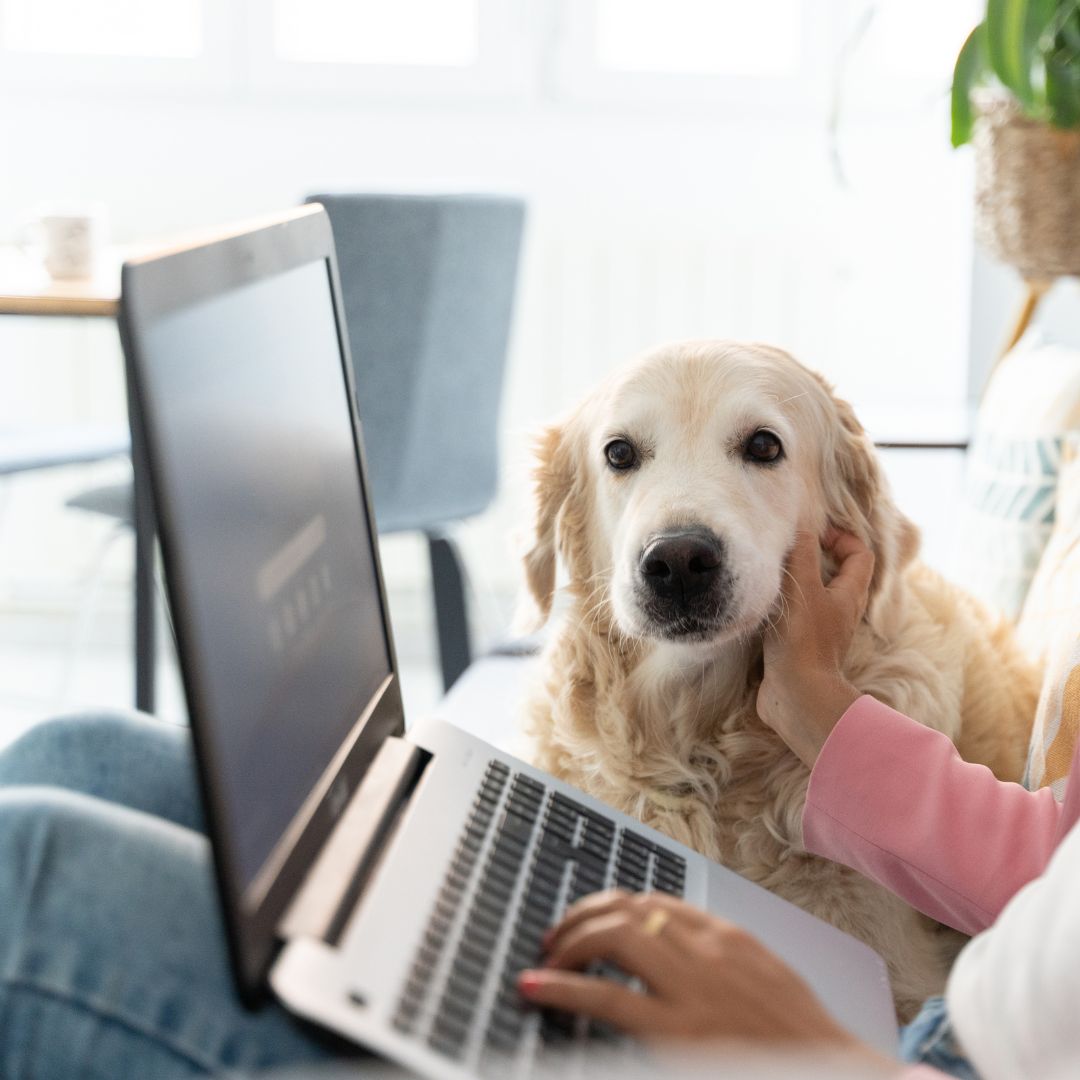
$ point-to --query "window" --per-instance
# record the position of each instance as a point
(104, 27)
(378, 49)
(787, 56)
(369, 48)
(702, 37)
(60, 45)
(697, 53)
(435, 32)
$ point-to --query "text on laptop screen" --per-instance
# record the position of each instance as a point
(262, 482)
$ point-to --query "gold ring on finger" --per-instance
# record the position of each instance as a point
(655, 922)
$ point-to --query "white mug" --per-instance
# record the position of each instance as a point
(68, 243)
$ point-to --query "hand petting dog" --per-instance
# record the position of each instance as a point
(804, 693)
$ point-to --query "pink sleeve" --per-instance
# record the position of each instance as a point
(893, 800)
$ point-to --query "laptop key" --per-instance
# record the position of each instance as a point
(662, 881)
(451, 1048)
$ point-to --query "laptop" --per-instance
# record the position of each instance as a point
(386, 884)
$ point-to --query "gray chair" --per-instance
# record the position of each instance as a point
(428, 284)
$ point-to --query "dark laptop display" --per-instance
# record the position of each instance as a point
(272, 571)
(289, 633)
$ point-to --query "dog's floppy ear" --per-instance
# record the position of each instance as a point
(554, 480)
(859, 501)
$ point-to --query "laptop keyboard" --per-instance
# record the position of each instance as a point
(525, 854)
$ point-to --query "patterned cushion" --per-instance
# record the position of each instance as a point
(1051, 612)
(1031, 404)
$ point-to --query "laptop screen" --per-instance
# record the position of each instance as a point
(249, 407)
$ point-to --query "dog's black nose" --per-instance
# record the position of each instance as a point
(681, 565)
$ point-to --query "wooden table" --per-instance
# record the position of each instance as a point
(26, 289)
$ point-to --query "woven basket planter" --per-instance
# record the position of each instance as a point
(1027, 191)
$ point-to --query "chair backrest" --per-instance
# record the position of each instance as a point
(428, 285)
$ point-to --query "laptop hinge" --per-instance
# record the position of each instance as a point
(336, 879)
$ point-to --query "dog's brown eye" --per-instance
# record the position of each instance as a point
(620, 454)
(763, 446)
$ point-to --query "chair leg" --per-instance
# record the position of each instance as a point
(451, 617)
(145, 629)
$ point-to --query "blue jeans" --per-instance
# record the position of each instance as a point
(113, 962)
(929, 1040)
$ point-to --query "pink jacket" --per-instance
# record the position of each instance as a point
(892, 799)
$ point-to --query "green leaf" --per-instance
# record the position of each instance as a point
(1070, 30)
(970, 67)
(1063, 91)
(1005, 25)
(1041, 16)
(1038, 43)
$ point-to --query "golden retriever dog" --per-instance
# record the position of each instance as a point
(672, 496)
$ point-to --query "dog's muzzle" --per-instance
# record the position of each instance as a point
(683, 583)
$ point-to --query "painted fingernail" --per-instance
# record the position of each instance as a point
(528, 982)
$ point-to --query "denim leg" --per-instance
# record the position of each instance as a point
(112, 955)
(929, 1040)
(125, 758)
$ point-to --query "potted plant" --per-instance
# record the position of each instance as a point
(1016, 96)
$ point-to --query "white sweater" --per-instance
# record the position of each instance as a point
(1014, 992)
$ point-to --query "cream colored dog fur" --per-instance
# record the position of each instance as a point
(652, 709)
